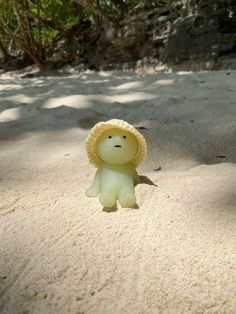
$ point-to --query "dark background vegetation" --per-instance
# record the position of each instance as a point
(101, 33)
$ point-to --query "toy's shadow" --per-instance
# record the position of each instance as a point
(146, 180)
(135, 206)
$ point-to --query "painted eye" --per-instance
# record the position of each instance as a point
(124, 136)
(109, 136)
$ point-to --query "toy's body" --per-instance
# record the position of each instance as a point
(115, 182)
(116, 176)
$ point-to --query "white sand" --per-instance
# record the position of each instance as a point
(61, 253)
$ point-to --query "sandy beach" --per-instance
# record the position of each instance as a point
(60, 252)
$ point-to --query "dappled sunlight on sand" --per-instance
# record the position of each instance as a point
(58, 247)
(12, 114)
(179, 113)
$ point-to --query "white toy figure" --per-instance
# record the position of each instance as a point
(116, 148)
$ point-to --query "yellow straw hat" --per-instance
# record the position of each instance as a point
(99, 128)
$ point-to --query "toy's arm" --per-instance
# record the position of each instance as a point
(95, 188)
(136, 177)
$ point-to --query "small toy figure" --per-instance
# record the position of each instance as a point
(116, 148)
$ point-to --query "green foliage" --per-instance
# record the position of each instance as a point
(63, 11)
(7, 15)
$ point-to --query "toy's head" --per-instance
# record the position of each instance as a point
(115, 142)
(116, 146)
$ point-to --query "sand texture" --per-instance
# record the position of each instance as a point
(60, 252)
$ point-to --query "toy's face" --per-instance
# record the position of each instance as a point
(116, 146)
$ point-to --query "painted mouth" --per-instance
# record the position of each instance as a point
(117, 146)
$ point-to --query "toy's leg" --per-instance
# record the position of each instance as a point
(107, 197)
(127, 197)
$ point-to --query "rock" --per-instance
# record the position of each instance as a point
(193, 33)
(16, 63)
